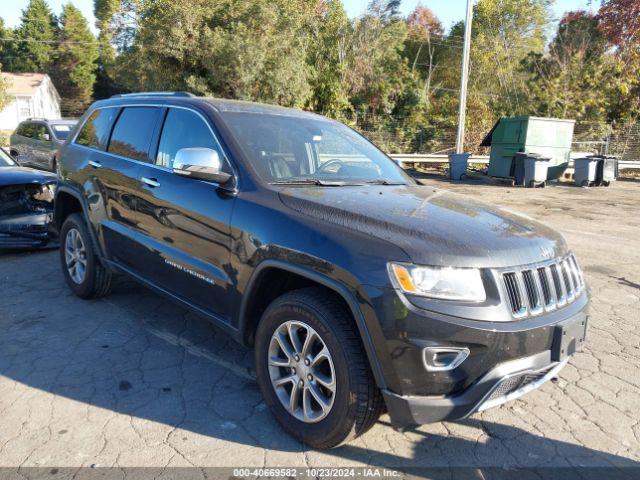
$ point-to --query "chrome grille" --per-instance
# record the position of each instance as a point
(534, 289)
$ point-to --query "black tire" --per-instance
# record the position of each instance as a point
(97, 279)
(357, 403)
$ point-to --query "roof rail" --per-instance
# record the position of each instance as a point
(154, 94)
(34, 119)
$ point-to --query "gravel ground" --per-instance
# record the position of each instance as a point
(133, 380)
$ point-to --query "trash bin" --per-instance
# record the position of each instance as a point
(607, 170)
(536, 168)
(584, 171)
(458, 165)
(531, 169)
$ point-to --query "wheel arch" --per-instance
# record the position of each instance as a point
(70, 201)
(251, 311)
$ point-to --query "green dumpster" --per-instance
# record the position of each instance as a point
(549, 137)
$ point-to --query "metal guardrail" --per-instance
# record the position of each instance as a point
(483, 159)
(434, 158)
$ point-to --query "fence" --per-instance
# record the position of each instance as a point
(400, 135)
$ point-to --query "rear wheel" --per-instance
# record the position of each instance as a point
(82, 270)
(312, 369)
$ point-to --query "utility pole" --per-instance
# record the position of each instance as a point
(462, 107)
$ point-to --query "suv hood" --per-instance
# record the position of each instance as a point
(433, 226)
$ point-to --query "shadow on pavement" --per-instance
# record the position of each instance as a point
(136, 354)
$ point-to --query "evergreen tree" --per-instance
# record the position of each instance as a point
(104, 11)
(35, 39)
(6, 46)
(73, 70)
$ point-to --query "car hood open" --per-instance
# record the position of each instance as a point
(433, 226)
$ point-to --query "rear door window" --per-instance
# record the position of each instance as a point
(95, 131)
(26, 130)
(132, 133)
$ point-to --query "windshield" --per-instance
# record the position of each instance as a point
(5, 159)
(298, 150)
(61, 130)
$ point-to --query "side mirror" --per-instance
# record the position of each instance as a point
(200, 163)
(46, 137)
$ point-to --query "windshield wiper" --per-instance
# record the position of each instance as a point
(383, 182)
(309, 181)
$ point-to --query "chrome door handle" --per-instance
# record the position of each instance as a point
(152, 182)
(95, 164)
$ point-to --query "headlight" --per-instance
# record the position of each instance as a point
(446, 283)
(45, 193)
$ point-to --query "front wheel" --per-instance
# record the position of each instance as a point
(82, 270)
(312, 370)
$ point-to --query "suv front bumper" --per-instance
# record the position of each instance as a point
(507, 360)
(504, 383)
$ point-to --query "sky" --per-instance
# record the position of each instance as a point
(448, 11)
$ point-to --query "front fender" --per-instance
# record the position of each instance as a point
(358, 301)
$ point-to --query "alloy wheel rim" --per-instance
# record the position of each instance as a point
(301, 371)
(75, 256)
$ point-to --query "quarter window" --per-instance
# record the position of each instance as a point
(183, 129)
(95, 132)
(132, 133)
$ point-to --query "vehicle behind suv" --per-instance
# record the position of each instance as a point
(36, 141)
(358, 288)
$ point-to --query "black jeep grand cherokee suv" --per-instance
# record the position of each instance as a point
(359, 288)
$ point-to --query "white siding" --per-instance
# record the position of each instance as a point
(44, 102)
(9, 116)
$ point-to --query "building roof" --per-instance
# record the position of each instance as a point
(23, 83)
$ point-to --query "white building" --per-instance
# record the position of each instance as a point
(34, 95)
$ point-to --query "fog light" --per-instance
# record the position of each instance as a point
(443, 359)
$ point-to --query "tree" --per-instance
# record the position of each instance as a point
(104, 11)
(251, 50)
(619, 20)
(6, 44)
(4, 97)
(35, 39)
(504, 32)
(573, 79)
(424, 33)
(377, 69)
(328, 51)
(73, 71)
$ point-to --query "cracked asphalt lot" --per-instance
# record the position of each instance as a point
(133, 380)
